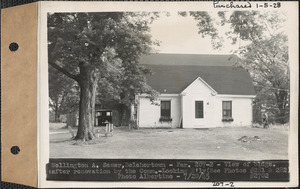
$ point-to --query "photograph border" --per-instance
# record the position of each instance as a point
(43, 110)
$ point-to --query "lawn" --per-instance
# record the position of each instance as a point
(242, 143)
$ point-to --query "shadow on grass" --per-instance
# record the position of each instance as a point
(98, 140)
(202, 129)
(62, 141)
(71, 141)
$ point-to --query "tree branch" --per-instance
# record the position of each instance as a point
(50, 103)
(64, 71)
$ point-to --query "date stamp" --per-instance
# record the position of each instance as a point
(268, 5)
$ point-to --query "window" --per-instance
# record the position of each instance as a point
(198, 109)
(227, 109)
(165, 109)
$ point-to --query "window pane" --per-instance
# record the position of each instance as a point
(226, 113)
(163, 105)
(167, 105)
(226, 105)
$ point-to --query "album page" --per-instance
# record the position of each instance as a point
(168, 94)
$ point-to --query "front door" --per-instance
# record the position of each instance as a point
(199, 114)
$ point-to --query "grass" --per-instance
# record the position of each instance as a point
(242, 143)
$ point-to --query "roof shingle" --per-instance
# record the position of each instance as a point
(174, 73)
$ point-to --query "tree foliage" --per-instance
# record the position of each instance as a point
(63, 94)
(119, 85)
(267, 62)
(264, 54)
(89, 47)
(206, 26)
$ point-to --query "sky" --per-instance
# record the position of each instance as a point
(180, 35)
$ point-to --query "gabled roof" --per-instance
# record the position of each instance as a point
(189, 59)
(169, 76)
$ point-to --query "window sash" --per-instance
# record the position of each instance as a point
(165, 109)
(199, 109)
(227, 109)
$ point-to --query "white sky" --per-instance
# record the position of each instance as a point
(180, 35)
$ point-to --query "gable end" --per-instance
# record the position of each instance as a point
(213, 91)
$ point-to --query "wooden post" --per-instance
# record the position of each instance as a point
(111, 127)
(106, 128)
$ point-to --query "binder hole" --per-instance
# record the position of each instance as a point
(13, 46)
(15, 150)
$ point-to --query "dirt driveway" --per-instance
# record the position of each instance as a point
(241, 143)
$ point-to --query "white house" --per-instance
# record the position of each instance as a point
(196, 91)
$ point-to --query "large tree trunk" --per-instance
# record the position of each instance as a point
(56, 113)
(282, 97)
(56, 116)
(88, 84)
